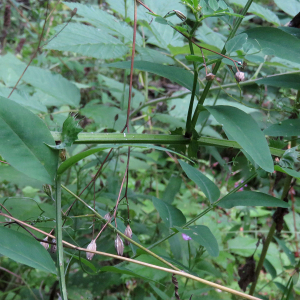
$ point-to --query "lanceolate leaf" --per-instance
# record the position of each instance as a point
(249, 198)
(246, 132)
(25, 249)
(210, 190)
(291, 81)
(286, 128)
(178, 75)
(288, 171)
(284, 45)
(23, 142)
(170, 215)
(203, 236)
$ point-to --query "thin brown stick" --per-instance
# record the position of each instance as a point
(180, 273)
(34, 54)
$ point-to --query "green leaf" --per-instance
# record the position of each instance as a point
(246, 132)
(178, 75)
(102, 19)
(288, 171)
(249, 198)
(122, 270)
(170, 215)
(289, 158)
(210, 190)
(203, 236)
(286, 128)
(87, 41)
(270, 268)
(284, 45)
(259, 10)
(23, 142)
(290, 7)
(159, 292)
(54, 85)
(286, 250)
(172, 189)
(236, 43)
(213, 4)
(69, 134)
(26, 250)
(291, 30)
(291, 81)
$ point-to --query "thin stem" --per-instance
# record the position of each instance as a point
(34, 54)
(217, 66)
(286, 188)
(132, 64)
(177, 272)
(214, 88)
(60, 251)
(119, 232)
(205, 211)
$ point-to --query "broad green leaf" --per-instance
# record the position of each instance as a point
(286, 250)
(291, 30)
(236, 43)
(290, 7)
(172, 189)
(53, 84)
(288, 171)
(69, 133)
(213, 4)
(284, 45)
(26, 250)
(286, 128)
(23, 142)
(105, 21)
(210, 190)
(43, 80)
(291, 81)
(178, 75)
(246, 132)
(155, 56)
(87, 41)
(203, 236)
(170, 215)
(249, 198)
(259, 10)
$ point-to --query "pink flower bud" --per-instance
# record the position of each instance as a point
(119, 245)
(128, 233)
(92, 246)
(240, 76)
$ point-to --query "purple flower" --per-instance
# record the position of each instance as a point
(186, 237)
(236, 185)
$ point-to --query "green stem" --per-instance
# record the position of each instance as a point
(119, 232)
(58, 231)
(191, 105)
(217, 66)
(158, 139)
(286, 188)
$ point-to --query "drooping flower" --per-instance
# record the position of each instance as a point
(186, 237)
